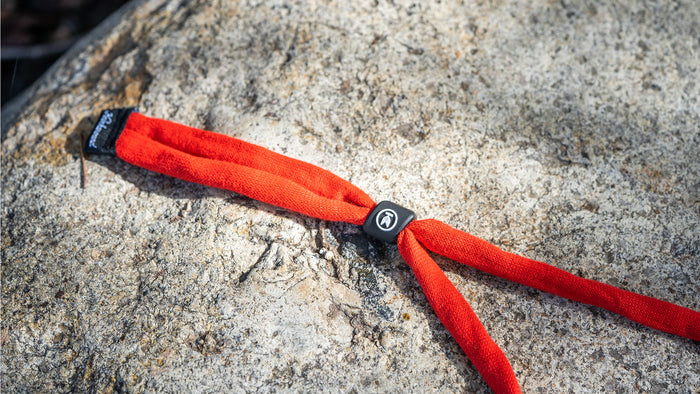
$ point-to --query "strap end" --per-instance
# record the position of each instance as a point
(103, 138)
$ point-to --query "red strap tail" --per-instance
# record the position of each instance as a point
(470, 250)
(459, 319)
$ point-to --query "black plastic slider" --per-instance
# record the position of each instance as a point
(387, 220)
(103, 138)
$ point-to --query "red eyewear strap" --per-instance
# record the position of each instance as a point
(224, 162)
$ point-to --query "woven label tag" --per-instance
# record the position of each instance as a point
(103, 138)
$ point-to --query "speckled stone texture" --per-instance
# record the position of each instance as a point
(564, 131)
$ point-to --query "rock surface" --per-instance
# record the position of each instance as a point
(565, 132)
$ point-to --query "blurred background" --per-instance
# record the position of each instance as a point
(35, 33)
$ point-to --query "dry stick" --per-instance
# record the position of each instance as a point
(83, 175)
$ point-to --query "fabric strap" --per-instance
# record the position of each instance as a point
(224, 162)
(217, 160)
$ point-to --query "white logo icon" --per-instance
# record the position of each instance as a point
(386, 219)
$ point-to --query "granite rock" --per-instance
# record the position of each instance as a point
(564, 131)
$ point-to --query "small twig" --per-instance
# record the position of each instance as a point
(83, 175)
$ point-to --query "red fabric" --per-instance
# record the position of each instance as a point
(221, 161)
(224, 162)
(459, 319)
(475, 252)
